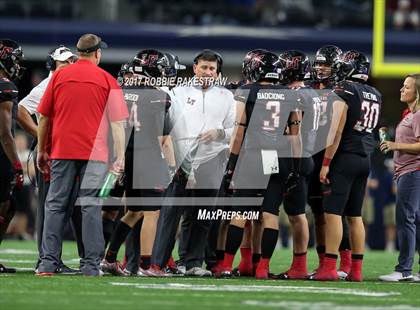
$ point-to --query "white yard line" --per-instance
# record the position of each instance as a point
(33, 261)
(319, 305)
(18, 252)
(258, 288)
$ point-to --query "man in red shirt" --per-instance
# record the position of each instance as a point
(81, 101)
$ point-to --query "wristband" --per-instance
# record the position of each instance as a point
(326, 161)
(17, 165)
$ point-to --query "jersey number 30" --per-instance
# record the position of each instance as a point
(370, 117)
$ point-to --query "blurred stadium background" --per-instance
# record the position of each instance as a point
(231, 27)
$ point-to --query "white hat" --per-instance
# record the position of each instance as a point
(62, 54)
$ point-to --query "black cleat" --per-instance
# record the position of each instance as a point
(4, 269)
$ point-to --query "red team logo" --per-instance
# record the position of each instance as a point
(4, 51)
(149, 60)
(293, 62)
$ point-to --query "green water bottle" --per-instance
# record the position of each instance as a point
(383, 136)
(108, 185)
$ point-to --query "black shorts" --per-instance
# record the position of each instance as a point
(348, 176)
(273, 196)
(147, 177)
(110, 206)
(244, 194)
(6, 179)
(137, 199)
(295, 201)
(315, 189)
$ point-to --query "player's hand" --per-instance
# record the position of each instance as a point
(323, 175)
(18, 182)
(387, 146)
(118, 166)
(210, 135)
(43, 162)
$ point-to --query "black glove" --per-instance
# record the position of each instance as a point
(292, 181)
(227, 177)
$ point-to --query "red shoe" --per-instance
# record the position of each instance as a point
(354, 276)
(226, 266)
(254, 268)
(155, 271)
(124, 262)
(345, 261)
(327, 271)
(217, 268)
(245, 269)
(325, 275)
(263, 269)
(171, 263)
(298, 270)
(293, 274)
(44, 274)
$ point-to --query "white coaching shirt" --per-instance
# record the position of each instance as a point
(32, 100)
(194, 111)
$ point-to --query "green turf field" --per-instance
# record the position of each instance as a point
(26, 291)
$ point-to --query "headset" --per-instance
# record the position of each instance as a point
(50, 63)
(209, 52)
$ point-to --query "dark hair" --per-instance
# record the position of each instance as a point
(209, 55)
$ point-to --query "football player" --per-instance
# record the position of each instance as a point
(250, 250)
(57, 59)
(324, 81)
(146, 172)
(295, 68)
(265, 110)
(11, 175)
(345, 166)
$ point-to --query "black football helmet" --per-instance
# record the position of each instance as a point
(174, 65)
(11, 55)
(151, 63)
(260, 64)
(294, 66)
(326, 55)
(125, 68)
(353, 65)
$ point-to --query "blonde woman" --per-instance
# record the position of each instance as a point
(407, 175)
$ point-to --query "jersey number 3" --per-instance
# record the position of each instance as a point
(274, 122)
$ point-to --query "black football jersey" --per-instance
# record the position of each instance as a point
(364, 106)
(8, 92)
(268, 109)
(148, 109)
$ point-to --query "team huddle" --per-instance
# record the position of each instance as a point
(292, 132)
